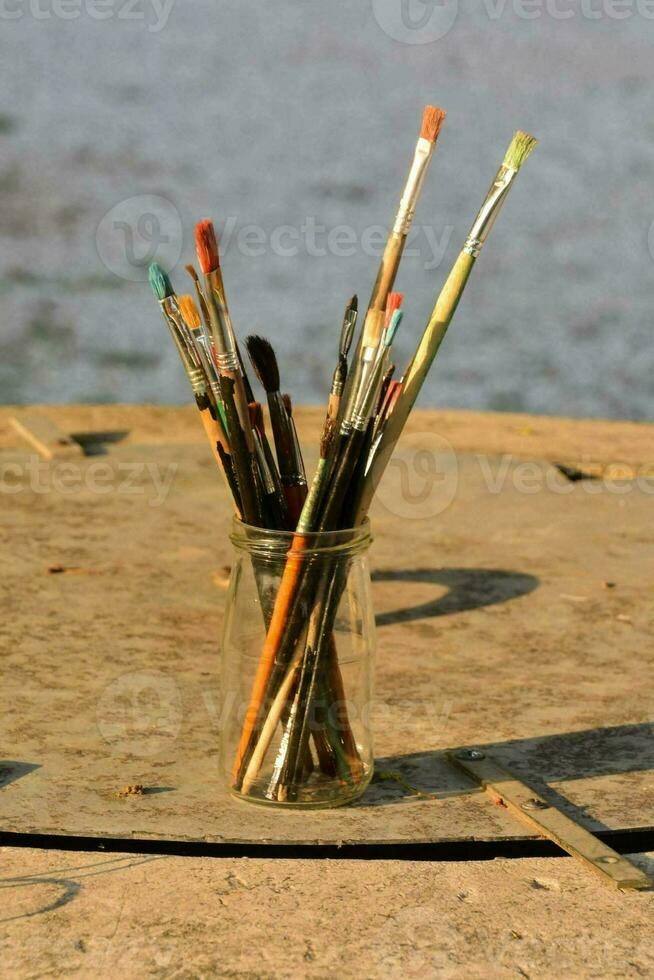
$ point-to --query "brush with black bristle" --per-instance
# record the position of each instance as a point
(289, 457)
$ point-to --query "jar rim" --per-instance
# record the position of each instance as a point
(270, 540)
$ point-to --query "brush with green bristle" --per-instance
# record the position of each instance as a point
(161, 284)
(165, 294)
(519, 149)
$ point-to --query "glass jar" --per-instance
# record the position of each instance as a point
(297, 667)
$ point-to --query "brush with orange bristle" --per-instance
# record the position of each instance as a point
(373, 326)
(432, 121)
(199, 292)
(222, 333)
(208, 254)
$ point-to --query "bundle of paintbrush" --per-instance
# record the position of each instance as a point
(366, 411)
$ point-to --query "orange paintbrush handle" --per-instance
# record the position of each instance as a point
(283, 603)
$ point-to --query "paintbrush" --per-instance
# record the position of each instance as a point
(289, 457)
(209, 257)
(202, 345)
(222, 333)
(204, 397)
(200, 293)
(243, 461)
(355, 435)
(519, 149)
(340, 372)
(272, 486)
(432, 121)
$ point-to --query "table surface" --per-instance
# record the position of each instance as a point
(513, 610)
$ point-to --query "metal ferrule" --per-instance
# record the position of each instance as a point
(227, 362)
(413, 186)
(222, 336)
(369, 361)
(358, 422)
(210, 371)
(197, 380)
(175, 318)
(489, 211)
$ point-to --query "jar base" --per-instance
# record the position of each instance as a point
(313, 796)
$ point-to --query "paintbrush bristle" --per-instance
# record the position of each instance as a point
(189, 312)
(161, 284)
(206, 245)
(391, 329)
(347, 330)
(432, 120)
(519, 149)
(393, 303)
(264, 362)
(192, 273)
(256, 417)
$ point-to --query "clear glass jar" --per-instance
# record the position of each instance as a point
(297, 667)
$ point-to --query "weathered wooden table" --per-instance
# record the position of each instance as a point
(514, 611)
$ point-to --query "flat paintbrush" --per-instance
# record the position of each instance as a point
(432, 121)
(222, 333)
(202, 345)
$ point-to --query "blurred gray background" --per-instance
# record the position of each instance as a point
(122, 122)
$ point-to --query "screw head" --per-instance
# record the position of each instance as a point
(470, 754)
(534, 804)
(609, 859)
